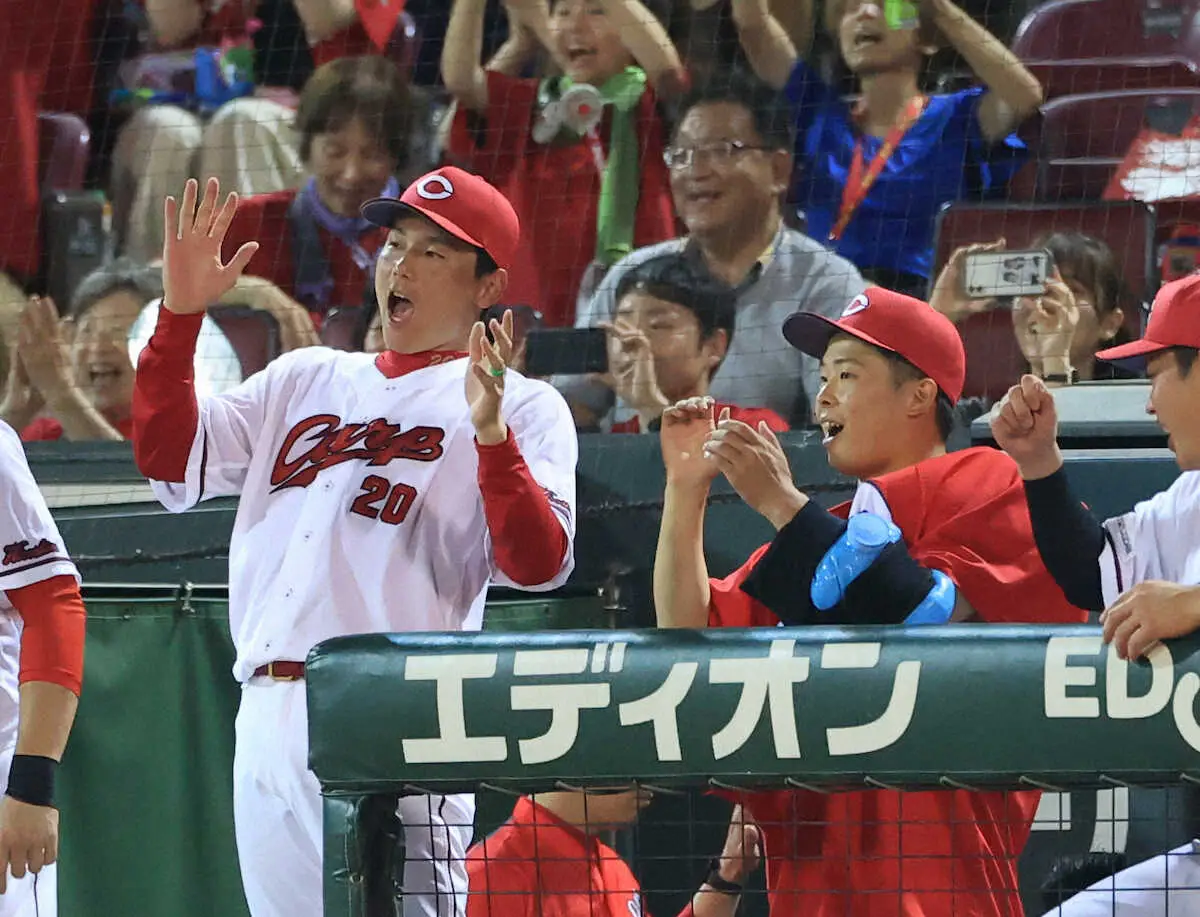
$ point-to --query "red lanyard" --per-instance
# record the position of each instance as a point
(858, 183)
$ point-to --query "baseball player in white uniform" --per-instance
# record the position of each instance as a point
(378, 493)
(1142, 568)
(42, 625)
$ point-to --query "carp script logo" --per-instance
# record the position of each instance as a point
(21, 551)
(320, 442)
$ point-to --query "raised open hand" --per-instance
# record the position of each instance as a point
(194, 276)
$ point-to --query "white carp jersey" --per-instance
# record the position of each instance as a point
(33, 551)
(1156, 540)
(360, 509)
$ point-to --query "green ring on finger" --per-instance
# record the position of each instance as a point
(496, 372)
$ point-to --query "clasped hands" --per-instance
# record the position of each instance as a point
(697, 447)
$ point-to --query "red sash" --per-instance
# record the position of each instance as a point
(859, 182)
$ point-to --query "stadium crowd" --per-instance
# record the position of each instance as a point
(737, 217)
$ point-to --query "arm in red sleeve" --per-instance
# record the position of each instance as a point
(54, 628)
(165, 412)
(528, 539)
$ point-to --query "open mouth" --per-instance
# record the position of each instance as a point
(829, 431)
(864, 40)
(703, 197)
(577, 54)
(400, 308)
(100, 376)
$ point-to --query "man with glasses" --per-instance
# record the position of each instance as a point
(730, 163)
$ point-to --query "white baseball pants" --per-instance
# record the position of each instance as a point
(21, 899)
(278, 818)
(1165, 886)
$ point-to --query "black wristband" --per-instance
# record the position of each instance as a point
(31, 779)
(717, 884)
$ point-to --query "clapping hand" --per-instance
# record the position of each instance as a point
(754, 463)
(487, 366)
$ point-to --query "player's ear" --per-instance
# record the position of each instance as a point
(491, 288)
(922, 397)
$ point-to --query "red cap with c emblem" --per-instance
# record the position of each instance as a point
(464, 205)
(894, 322)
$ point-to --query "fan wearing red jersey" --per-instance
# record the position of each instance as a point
(892, 369)
(41, 671)
(670, 334)
(548, 859)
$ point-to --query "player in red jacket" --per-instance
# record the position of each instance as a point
(892, 369)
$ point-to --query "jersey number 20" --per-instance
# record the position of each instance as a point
(396, 500)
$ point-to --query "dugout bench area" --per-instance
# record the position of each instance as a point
(146, 788)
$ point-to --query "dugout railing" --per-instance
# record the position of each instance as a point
(956, 707)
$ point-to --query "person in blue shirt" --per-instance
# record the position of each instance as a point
(873, 173)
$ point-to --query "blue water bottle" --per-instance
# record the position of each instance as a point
(865, 538)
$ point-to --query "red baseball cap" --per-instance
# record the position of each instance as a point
(890, 321)
(464, 205)
(1174, 322)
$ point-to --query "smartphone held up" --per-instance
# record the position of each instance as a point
(1006, 274)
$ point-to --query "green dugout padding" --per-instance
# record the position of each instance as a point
(944, 707)
(146, 787)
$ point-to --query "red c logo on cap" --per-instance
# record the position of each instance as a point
(445, 191)
(857, 304)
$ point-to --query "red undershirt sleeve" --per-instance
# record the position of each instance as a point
(165, 412)
(528, 540)
(54, 630)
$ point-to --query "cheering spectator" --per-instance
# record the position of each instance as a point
(588, 183)
(672, 330)
(83, 389)
(1060, 331)
(873, 175)
(547, 859)
(730, 160)
(73, 379)
(249, 143)
(354, 119)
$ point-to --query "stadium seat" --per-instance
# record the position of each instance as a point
(1128, 31)
(1073, 77)
(994, 360)
(1083, 138)
(64, 142)
(253, 333)
(1077, 46)
(342, 329)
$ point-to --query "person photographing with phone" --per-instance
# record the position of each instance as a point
(1060, 318)
(668, 338)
